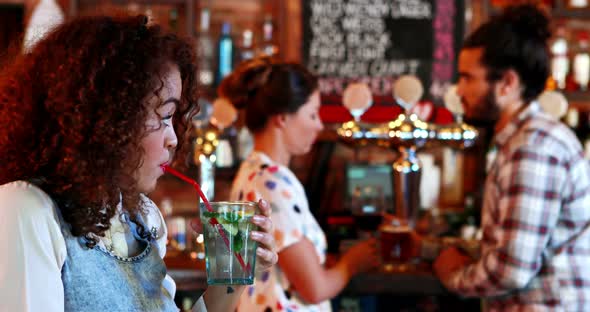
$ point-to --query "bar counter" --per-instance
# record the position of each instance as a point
(189, 275)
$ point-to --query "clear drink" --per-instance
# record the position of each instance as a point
(230, 253)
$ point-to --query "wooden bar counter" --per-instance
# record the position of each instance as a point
(189, 274)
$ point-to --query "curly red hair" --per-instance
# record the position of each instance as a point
(73, 112)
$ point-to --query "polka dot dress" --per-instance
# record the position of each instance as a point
(260, 177)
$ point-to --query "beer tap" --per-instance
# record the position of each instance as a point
(406, 134)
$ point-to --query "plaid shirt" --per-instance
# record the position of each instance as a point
(535, 221)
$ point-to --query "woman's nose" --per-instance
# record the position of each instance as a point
(171, 140)
(320, 125)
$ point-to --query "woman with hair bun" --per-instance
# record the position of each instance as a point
(281, 102)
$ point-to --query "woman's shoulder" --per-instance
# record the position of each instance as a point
(269, 168)
(22, 198)
(31, 215)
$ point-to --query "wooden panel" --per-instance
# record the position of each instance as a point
(11, 27)
(290, 43)
(12, 2)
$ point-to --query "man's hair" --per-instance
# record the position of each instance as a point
(515, 39)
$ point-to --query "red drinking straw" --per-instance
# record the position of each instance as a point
(212, 220)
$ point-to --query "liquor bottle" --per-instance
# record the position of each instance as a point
(268, 46)
(205, 51)
(581, 62)
(226, 152)
(223, 116)
(579, 121)
(173, 20)
(583, 131)
(559, 58)
(247, 51)
(201, 166)
(245, 143)
(225, 53)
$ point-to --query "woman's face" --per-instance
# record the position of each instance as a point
(303, 127)
(160, 140)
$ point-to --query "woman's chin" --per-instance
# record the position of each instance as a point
(147, 188)
(301, 152)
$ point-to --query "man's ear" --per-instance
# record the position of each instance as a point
(510, 84)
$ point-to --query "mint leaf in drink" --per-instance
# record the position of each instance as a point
(231, 216)
(238, 242)
(208, 214)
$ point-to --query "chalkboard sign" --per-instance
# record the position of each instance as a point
(376, 41)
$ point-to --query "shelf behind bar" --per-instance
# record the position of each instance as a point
(577, 96)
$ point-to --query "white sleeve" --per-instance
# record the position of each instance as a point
(199, 306)
(33, 250)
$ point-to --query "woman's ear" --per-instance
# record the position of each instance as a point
(278, 121)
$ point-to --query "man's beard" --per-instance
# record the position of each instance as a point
(486, 114)
(485, 117)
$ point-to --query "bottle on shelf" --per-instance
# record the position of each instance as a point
(581, 62)
(173, 19)
(572, 118)
(223, 116)
(149, 13)
(583, 132)
(225, 53)
(579, 121)
(559, 58)
(205, 51)
(227, 150)
(245, 143)
(268, 47)
(247, 50)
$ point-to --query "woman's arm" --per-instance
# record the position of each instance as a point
(223, 298)
(32, 250)
(312, 281)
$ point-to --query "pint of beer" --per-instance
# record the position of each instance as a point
(396, 244)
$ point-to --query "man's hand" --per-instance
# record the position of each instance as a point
(448, 262)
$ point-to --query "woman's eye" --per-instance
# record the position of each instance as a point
(167, 120)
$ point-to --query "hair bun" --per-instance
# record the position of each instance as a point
(242, 84)
(527, 20)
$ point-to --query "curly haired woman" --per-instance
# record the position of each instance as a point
(87, 121)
